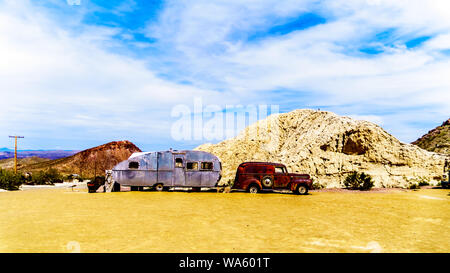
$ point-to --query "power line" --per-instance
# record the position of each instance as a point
(15, 151)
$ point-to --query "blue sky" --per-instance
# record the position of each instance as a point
(77, 76)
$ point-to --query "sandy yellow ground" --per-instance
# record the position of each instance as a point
(59, 220)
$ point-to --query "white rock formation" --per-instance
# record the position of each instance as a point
(328, 147)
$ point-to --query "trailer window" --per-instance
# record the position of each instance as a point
(192, 166)
(179, 163)
(133, 165)
(207, 166)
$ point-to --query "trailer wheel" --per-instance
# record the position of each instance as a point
(253, 189)
(301, 189)
(267, 181)
(159, 187)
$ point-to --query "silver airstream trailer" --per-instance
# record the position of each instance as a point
(166, 169)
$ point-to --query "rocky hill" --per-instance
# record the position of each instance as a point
(436, 140)
(91, 161)
(327, 147)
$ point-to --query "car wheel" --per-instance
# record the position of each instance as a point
(301, 189)
(267, 181)
(253, 189)
(159, 187)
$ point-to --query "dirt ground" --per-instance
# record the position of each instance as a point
(66, 220)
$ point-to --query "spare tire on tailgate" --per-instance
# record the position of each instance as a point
(267, 181)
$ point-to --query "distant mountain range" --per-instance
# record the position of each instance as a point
(49, 154)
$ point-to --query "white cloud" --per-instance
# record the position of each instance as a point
(52, 76)
(52, 79)
(440, 42)
(322, 59)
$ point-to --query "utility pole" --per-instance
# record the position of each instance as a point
(15, 151)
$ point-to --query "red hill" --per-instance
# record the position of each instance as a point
(90, 162)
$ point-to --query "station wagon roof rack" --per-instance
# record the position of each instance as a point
(261, 162)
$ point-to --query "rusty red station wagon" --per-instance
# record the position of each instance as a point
(257, 176)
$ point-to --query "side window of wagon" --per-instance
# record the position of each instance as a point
(192, 166)
(133, 165)
(206, 166)
(279, 170)
(178, 162)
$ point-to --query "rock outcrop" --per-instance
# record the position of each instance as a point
(328, 147)
(436, 140)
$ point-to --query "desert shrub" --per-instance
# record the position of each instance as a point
(70, 177)
(10, 181)
(413, 186)
(358, 181)
(317, 186)
(422, 181)
(75, 177)
(416, 182)
(54, 176)
(48, 177)
(229, 183)
(38, 178)
(81, 179)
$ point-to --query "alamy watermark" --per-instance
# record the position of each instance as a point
(214, 123)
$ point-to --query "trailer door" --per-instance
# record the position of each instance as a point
(165, 168)
(179, 178)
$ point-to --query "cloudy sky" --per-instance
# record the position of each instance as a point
(76, 76)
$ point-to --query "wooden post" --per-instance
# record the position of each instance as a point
(15, 151)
